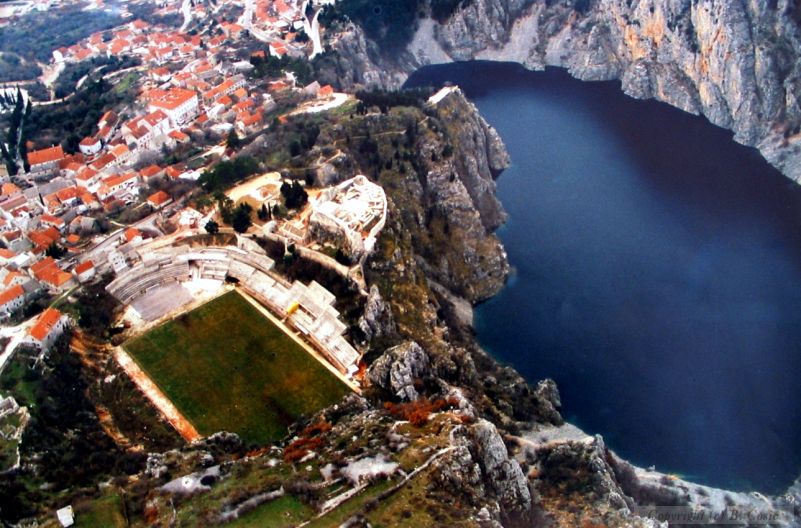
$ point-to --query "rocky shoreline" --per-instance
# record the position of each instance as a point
(729, 61)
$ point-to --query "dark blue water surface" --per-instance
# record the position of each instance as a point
(657, 275)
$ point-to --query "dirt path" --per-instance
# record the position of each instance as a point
(158, 398)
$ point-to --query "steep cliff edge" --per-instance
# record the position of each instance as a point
(735, 62)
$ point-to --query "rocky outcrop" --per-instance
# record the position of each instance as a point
(377, 320)
(549, 401)
(502, 473)
(478, 468)
(460, 190)
(480, 158)
(735, 62)
(398, 368)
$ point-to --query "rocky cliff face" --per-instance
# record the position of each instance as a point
(460, 186)
(734, 61)
(445, 196)
(398, 368)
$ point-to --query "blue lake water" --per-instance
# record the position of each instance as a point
(657, 275)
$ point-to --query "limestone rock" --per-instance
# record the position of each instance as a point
(377, 320)
(480, 156)
(326, 174)
(502, 473)
(398, 368)
(461, 188)
(549, 401)
(479, 471)
(458, 473)
(735, 62)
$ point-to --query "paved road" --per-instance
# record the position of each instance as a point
(16, 333)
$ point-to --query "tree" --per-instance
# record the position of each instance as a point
(225, 205)
(295, 195)
(226, 173)
(264, 214)
(241, 219)
(55, 251)
(212, 227)
(233, 141)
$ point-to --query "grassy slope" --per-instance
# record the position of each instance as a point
(106, 512)
(280, 513)
(226, 367)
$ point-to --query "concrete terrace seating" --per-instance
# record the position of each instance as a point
(309, 309)
(239, 271)
(143, 277)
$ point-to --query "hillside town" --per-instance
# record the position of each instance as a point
(190, 84)
(112, 207)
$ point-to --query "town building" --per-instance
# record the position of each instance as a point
(11, 300)
(48, 327)
(45, 161)
(66, 516)
(90, 146)
(179, 104)
(159, 199)
(85, 271)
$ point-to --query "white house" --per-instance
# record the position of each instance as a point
(48, 327)
(84, 271)
(11, 300)
(179, 104)
(89, 146)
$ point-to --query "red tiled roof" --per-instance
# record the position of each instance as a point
(51, 273)
(44, 325)
(45, 155)
(88, 198)
(152, 170)
(44, 238)
(154, 118)
(108, 117)
(86, 174)
(178, 136)
(11, 235)
(120, 150)
(8, 279)
(86, 265)
(43, 264)
(113, 181)
(159, 198)
(103, 161)
(68, 193)
(173, 171)
(132, 233)
(9, 188)
(10, 294)
(52, 220)
(173, 99)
